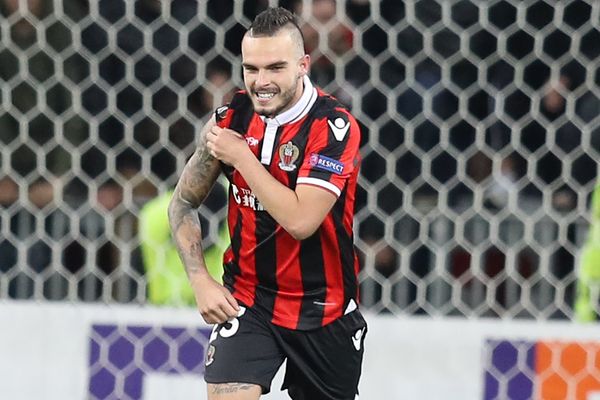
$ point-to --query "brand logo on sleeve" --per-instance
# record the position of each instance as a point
(326, 164)
(339, 127)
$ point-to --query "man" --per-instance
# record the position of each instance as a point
(167, 282)
(290, 288)
(588, 282)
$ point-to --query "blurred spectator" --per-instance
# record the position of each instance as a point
(383, 257)
(110, 195)
(23, 222)
(41, 195)
(553, 106)
(214, 92)
(337, 41)
(104, 258)
(166, 277)
(9, 194)
(553, 100)
(568, 137)
(588, 282)
(502, 185)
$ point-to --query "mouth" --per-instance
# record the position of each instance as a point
(264, 97)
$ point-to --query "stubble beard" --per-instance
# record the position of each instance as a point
(285, 97)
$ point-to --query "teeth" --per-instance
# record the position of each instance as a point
(265, 95)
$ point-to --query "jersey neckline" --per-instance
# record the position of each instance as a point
(298, 110)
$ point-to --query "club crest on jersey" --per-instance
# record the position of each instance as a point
(210, 355)
(288, 154)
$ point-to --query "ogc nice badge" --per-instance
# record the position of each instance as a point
(210, 355)
(288, 154)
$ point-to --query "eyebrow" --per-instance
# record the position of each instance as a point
(272, 65)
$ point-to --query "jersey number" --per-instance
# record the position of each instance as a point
(227, 331)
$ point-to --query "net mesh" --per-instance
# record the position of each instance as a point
(480, 123)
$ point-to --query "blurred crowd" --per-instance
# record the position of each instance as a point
(120, 110)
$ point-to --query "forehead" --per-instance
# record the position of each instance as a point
(268, 49)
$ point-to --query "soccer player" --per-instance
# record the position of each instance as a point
(290, 287)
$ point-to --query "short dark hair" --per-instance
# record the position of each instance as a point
(272, 20)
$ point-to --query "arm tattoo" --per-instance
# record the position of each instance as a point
(226, 388)
(199, 175)
(197, 179)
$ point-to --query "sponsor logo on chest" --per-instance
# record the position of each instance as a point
(246, 198)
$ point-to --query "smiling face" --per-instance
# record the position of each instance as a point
(273, 70)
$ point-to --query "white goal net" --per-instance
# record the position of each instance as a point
(480, 147)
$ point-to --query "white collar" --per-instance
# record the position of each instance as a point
(298, 110)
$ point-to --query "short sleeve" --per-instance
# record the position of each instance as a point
(332, 152)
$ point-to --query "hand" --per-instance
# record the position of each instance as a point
(215, 303)
(226, 145)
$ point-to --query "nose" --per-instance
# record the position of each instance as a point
(262, 78)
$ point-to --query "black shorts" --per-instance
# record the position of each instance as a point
(324, 363)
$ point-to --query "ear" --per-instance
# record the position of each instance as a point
(304, 65)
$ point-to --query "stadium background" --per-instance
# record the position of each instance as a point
(480, 147)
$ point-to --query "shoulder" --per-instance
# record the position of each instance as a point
(239, 101)
(330, 114)
(328, 108)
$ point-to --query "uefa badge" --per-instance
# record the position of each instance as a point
(288, 154)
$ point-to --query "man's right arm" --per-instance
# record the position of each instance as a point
(215, 303)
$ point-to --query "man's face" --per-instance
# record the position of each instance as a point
(273, 71)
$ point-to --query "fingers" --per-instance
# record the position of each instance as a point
(225, 144)
(210, 143)
(215, 316)
(229, 306)
(213, 134)
(219, 315)
(217, 130)
(211, 140)
(212, 152)
(225, 309)
(229, 311)
(232, 301)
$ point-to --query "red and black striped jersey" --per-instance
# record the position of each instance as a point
(298, 284)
